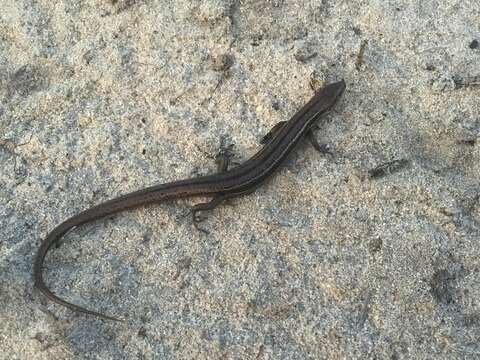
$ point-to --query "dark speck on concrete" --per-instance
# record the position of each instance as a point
(387, 168)
(276, 105)
(26, 81)
(222, 62)
(142, 332)
(375, 245)
(305, 53)
(441, 286)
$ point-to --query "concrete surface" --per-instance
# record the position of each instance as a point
(372, 253)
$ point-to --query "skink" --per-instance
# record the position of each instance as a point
(240, 180)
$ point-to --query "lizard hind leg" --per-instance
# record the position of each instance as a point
(196, 209)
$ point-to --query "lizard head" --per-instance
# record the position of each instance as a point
(332, 92)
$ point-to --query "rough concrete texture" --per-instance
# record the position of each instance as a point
(369, 253)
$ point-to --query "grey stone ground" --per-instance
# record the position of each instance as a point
(327, 261)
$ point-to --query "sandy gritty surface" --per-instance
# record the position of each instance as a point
(369, 253)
